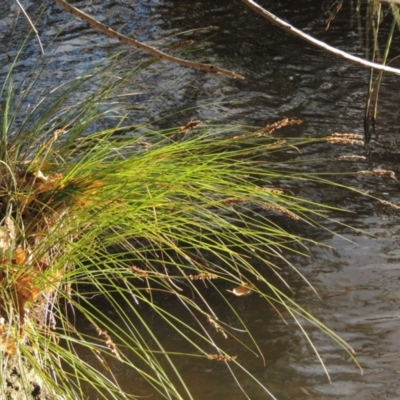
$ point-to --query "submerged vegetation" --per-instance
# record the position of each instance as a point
(117, 225)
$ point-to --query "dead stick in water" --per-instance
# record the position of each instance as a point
(133, 42)
(309, 39)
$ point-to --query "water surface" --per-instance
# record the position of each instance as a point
(358, 278)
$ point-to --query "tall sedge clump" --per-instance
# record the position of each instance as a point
(98, 216)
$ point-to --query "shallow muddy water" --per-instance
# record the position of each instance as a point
(358, 278)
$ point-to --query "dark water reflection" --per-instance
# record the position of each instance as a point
(359, 278)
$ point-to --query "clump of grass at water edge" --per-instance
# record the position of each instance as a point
(100, 218)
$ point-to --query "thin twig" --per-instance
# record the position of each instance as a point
(296, 32)
(31, 24)
(133, 42)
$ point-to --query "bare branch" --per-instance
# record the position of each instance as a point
(133, 42)
(296, 32)
(30, 24)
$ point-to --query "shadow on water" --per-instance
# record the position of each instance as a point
(358, 278)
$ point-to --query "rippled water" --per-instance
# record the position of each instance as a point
(358, 279)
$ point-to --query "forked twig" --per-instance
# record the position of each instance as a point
(309, 39)
(133, 42)
(30, 24)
